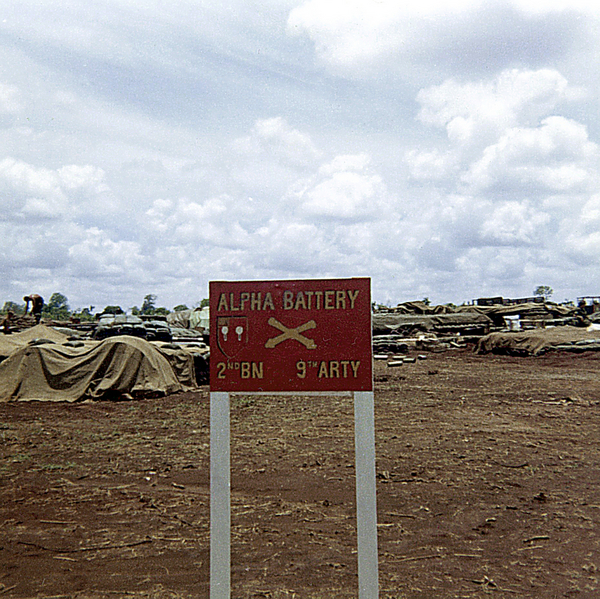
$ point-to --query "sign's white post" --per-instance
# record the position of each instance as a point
(220, 500)
(366, 503)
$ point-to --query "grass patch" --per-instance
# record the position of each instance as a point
(53, 467)
(242, 401)
(20, 457)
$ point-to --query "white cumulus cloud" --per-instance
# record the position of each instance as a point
(445, 149)
(557, 156)
(363, 38)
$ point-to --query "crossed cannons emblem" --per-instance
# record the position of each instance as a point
(287, 333)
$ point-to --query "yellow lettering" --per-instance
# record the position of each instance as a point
(245, 370)
(252, 370)
(244, 298)
(318, 295)
(255, 301)
(222, 303)
(334, 369)
(323, 374)
(221, 370)
(257, 370)
(232, 307)
(300, 303)
(288, 300)
(301, 368)
(354, 365)
(268, 302)
(309, 295)
(340, 299)
(329, 300)
(344, 364)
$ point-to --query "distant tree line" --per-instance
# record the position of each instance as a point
(57, 308)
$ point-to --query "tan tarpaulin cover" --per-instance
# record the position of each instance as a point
(14, 341)
(420, 307)
(115, 366)
(386, 322)
(182, 363)
(180, 318)
(189, 319)
(534, 341)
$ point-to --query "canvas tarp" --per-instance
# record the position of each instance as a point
(11, 343)
(527, 311)
(545, 310)
(198, 318)
(113, 368)
(183, 361)
(536, 341)
(179, 318)
(420, 307)
(386, 323)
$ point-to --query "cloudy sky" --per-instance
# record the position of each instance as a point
(448, 150)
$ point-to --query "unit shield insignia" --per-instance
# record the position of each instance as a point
(232, 334)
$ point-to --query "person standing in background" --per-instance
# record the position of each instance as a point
(37, 303)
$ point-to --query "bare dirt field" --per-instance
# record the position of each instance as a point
(488, 485)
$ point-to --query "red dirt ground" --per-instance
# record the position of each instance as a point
(488, 473)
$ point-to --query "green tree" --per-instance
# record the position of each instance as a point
(85, 314)
(57, 307)
(202, 303)
(149, 305)
(162, 311)
(180, 308)
(112, 310)
(16, 308)
(543, 291)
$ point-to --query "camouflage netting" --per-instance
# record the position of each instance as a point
(538, 341)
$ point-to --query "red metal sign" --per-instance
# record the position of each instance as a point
(305, 335)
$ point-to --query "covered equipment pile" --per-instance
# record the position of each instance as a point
(43, 365)
(537, 341)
